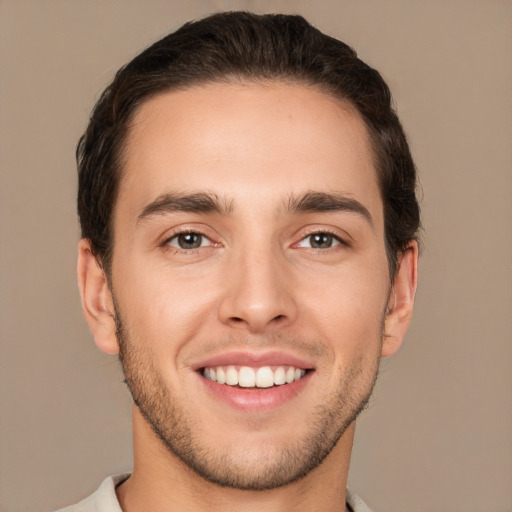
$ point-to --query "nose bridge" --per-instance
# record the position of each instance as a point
(258, 290)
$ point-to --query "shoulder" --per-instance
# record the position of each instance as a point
(103, 500)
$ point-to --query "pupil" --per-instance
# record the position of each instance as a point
(190, 240)
(321, 241)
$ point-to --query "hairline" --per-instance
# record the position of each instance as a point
(288, 79)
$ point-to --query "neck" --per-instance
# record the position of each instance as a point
(162, 483)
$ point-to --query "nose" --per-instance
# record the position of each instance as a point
(259, 292)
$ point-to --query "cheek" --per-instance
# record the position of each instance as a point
(166, 307)
(347, 309)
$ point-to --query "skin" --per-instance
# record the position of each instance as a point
(256, 284)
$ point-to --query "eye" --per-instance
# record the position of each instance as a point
(189, 241)
(319, 241)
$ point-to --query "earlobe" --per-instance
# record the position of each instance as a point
(401, 300)
(96, 298)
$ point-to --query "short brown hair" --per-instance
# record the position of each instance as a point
(241, 45)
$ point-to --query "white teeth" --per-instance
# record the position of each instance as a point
(247, 377)
(264, 377)
(221, 375)
(231, 376)
(280, 376)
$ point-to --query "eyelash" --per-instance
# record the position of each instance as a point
(340, 241)
(166, 243)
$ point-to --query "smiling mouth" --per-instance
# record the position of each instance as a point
(253, 378)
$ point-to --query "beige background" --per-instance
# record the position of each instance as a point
(437, 435)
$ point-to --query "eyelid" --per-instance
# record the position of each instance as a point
(343, 238)
(183, 230)
(336, 242)
(177, 235)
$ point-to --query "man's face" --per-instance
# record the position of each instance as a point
(249, 247)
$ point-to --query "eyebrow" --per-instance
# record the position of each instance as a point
(327, 202)
(205, 202)
(201, 202)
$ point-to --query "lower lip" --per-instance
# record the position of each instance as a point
(261, 399)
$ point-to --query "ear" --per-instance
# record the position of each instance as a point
(97, 302)
(401, 300)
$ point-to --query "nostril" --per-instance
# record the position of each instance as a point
(239, 320)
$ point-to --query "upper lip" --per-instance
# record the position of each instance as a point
(254, 359)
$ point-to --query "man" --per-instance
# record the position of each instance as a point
(249, 223)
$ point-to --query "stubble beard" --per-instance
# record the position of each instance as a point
(290, 462)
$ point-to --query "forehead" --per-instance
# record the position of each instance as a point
(250, 142)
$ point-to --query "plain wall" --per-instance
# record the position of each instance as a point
(437, 434)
